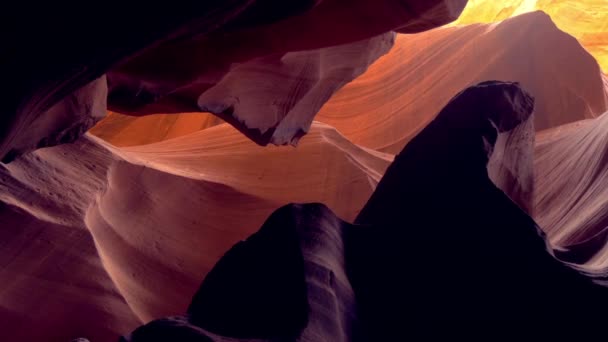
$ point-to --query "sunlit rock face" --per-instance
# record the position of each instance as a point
(572, 159)
(224, 57)
(400, 93)
(587, 20)
(125, 130)
(121, 226)
(159, 216)
(402, 269)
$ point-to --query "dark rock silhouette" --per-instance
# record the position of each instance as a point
(286, 282)
(253, 292)
(450, 249)
(424, 72)
(438, 252)
(163, 61)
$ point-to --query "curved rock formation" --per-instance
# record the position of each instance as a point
(63, 122)
(170, 58)
(287, 281)
(274, 99)
(461, 136)
(221, 190)
(271, 98)
(584, 19)
(398, 96)
(572, 160)
(54, 287)
(160, 216)
(126, 130)
(479, 267)
(511, 166)
(75, 57)
(98, 239)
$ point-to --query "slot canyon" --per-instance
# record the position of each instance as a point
(304, 170)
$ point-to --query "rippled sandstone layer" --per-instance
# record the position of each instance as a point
(587, 20)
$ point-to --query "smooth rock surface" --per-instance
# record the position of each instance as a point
(480, 266)
(157, 217)
(400, 94)
(166, 60)
(587, 20)
(571, 160)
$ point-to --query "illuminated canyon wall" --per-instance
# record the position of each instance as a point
(586, 20)
(117, 227)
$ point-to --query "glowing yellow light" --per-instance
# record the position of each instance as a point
(586, 20)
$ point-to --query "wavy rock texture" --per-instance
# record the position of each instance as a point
(587, 20)
(126, 130)
(323, 279)
(470, 286)
(161, 215)
(170, 58)
(55, 279)
(398, 96)
(304, 293)
(235, 188)
(64, 122)
(270, 99)
(158, 213)
(54, 286)
(572, 160)
(75, 57)
(511, 165)
(274, 99)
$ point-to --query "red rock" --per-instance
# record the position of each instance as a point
(399, 95)
(571, 203)
(160, 216)
(439, 245)
(164, 61)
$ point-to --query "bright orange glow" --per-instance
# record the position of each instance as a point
(586, 20)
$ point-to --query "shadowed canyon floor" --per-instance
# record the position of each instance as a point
(119, 228)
